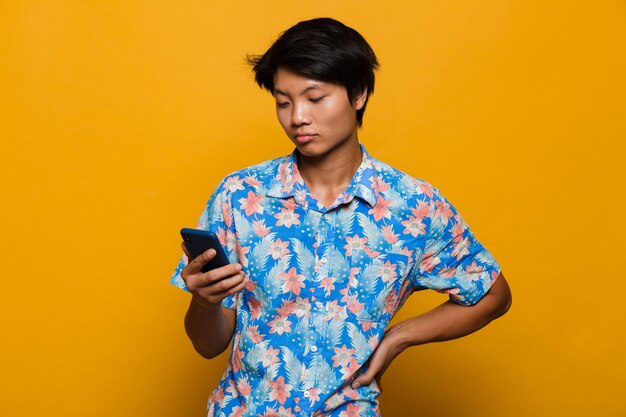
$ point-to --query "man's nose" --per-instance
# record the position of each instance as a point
(300, 114)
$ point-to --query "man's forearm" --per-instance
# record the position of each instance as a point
(208, 329)
(451, 321)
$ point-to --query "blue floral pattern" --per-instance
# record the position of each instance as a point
(326, 281)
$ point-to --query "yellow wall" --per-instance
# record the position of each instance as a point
(118, 118)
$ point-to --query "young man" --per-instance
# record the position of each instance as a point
(325, 245)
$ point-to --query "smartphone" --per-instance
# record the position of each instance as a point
(199, 241)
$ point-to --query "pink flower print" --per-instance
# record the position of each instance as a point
(292, 281)
(474, 268)
(278, 249)
(353, 410)
(461, 249)
(447, 272)
(222, 237)
(328, 284)
(232, 388)
(333, 311)
(348, 370)
(230, 240)
(233, 184)
(373, 342)
(281, 412)
(367, 325)
(288, 307)
(423, 188)
(494, 275)
(388, 271)
(371, 253)
(251, 285)
(237, 361)
(289, 203)
(243, 386)
(296, 174)
(259, 228)
(429, 261)
(252, 181)
(284, 173)
(345, 293)
(252, 204)
(280, 325)
(226, 214)
(287, 218)
(238, 411)
(279, 391)
(218, 395)
(255, 336)
(379, 184)
(406, 251)
(354, 243)
(301, 196)
(242, 252)
(285, 412)
(314, 394)
(270, 412)
(269, 357)
(390, 302)
(353, 272)
(414, 226)
(422, 210)
(342, 356)
(458, 228)
(302, 307)
(443, 210)
(255, 307)
(381, 209)
(389, 235)
(350, 392)
(353, 305)
(335, 400)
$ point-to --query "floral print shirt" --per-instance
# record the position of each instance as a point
(326, 281)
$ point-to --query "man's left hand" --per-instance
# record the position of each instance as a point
(381, 358)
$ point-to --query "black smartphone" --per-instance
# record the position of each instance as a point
(199, 241)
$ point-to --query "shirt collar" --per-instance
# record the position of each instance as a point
(288, 181)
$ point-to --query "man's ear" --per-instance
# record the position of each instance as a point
(359, 101)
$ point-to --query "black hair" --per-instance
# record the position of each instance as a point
(323, 49)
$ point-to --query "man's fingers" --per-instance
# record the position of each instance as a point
(217, 292)
(226, 283)
(199, 261)
(233, 289)
(217, 274)
(363, 379)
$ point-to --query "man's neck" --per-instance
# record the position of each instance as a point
(329, 175)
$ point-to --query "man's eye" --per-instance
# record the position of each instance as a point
(316, 100)
(282, 105)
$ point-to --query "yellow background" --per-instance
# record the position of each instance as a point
(118, 118)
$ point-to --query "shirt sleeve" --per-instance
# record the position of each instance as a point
(453, 261)
(217, 218)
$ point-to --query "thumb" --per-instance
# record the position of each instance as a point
(364, 379)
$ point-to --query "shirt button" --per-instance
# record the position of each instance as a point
(306, 394)
(319, 304)
(324, 260)
(313, 348)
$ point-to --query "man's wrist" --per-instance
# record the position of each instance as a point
(204, 304)
(398, 337)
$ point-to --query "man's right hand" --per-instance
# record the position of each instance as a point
(210, 288)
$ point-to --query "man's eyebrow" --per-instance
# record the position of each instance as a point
(309, 88)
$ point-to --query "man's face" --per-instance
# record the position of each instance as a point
(317, 116)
